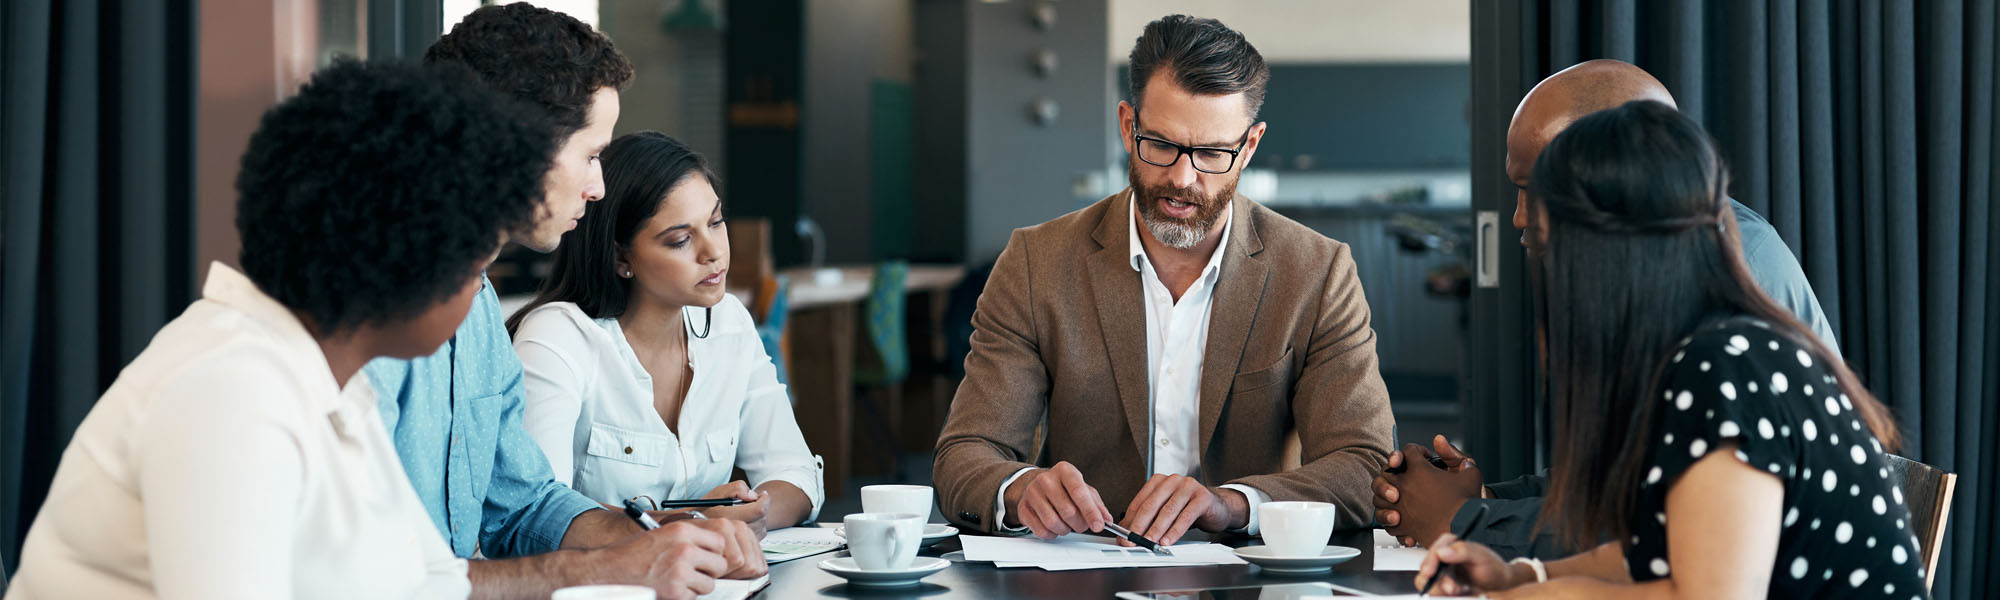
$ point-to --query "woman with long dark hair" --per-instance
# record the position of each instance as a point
(1717, 444)
(644, 379)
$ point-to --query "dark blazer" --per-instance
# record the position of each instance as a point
(1060, 340)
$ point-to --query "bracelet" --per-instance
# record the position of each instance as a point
(1541, 572)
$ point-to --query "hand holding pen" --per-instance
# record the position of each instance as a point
(1466, 567)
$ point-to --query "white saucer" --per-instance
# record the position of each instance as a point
(933, 533)
(920, 567)
(1327, 558)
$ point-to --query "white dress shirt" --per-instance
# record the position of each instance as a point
(226, 462)
(590, 408)
(1176, 338)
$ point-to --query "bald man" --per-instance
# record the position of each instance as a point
(1422, 503)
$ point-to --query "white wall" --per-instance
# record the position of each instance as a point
(1318, 31)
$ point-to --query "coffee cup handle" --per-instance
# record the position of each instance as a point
(895, 534)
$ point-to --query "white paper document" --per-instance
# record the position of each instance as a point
(1391, 555)
(1081, 551)
(737, 589)
(792, 543)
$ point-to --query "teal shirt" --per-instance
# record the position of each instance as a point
(455, 417)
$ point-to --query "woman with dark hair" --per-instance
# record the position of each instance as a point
(1723, 450)
(644, 379)
(241, 454)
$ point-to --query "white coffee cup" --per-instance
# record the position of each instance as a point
(604, 592)
(883, 541)
(1295, 529)
(911, 499)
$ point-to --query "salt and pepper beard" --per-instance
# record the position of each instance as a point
(1180, 234)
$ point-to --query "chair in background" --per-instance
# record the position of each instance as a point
(884, 362)
(1928, 490)
(773, 304)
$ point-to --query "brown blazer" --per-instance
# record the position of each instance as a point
(1060, 338)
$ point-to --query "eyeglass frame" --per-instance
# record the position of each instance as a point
(1138, 139)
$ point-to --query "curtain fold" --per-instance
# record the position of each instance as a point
(95, 122)
(1865, 131)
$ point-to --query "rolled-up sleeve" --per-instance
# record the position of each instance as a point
(526, 510)
(773, 448)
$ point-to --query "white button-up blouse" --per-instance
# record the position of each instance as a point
(226, 462)
(590, 408)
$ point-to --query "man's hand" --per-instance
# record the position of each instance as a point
(752, 514)
(745, 558)
(1167, 505)
(1419, 503)
(679, 561)
(1055, 501)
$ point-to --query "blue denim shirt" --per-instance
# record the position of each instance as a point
(455, 417)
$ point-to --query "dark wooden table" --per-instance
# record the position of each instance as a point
(803, 578)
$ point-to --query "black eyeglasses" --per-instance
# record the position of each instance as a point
(1207, 159)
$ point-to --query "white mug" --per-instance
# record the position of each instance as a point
(604, 592)
(911, 499)
(883, 541)
(1295, 529)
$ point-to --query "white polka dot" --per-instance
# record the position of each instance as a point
(1791, 516)
(1729, 390)
(1752, 387)
(1832, 408)
(1667, 395)
(1653, 476)
(1829, 481)
(1815, 525)
(1704, 366)
(1764, 428)
(1807, 389)
(1897, 554)
(1728, 429)
(1635, 540)
(1833, 438)
(1844, 402)
(1799, 568)
(1739, 344)
(1888, 588)
(1827, 575)
(1805, 475)
(1858, 576)
(1884, 471)
(1745, 458)
(1683, 400)
(1860, 456)
(1779, 384)
(1881, 508)
(1854, 490)
(1898, 493)
(1660, 567)
(1697, 447)
(1785, 430)
(1854, 425)
(1773, 345)
(1670, 439)
(1805, 360)
(1661, 517)
(1711, 413)
(1899, 523)
(1843, 532)
(1679, 355)
(1871, 541)
(1878, 450)
(1811, 430)
(1774, 467)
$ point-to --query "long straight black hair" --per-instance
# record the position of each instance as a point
(1642, 252)
(640, 169)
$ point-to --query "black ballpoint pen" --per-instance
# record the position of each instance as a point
(1138, 540)
(645, 521)
(1470, 526)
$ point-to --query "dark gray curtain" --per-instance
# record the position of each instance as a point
(1864, 130)
(96, 150)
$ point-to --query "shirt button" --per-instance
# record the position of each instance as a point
(1170, 371)
(628, 449)
(1163, 442)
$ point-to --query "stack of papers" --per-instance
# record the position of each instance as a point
(1081, 551)
(1391, 555)
(793, 543)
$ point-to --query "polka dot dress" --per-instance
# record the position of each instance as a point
(1845, 530)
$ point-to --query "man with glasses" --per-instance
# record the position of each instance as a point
(1153, 351)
